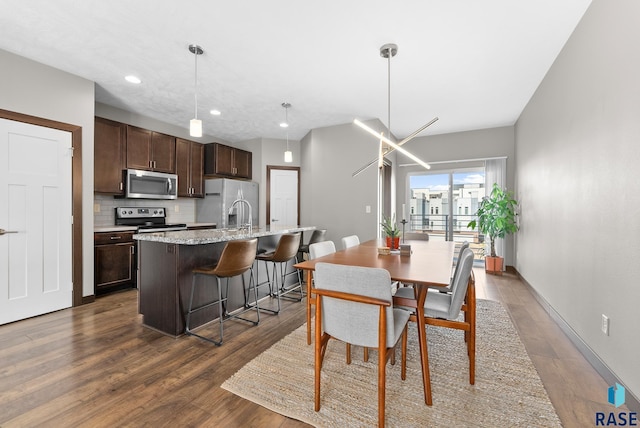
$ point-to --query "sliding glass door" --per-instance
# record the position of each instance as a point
(442, 203)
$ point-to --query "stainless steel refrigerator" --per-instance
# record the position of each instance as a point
(220, 194)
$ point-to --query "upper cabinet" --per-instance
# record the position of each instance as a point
(190, 168)
(150, 150)
(110, 156)
(226, 161)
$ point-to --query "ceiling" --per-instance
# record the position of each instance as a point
(474, 64)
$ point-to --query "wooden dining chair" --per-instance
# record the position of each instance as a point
(447, 289)
(350, 241)
(316, 250)
(443, 309)
(354, 305)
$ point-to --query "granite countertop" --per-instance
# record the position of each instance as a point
(211, 236)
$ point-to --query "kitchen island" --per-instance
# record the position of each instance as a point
(165, 263)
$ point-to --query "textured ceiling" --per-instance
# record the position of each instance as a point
(474, 64)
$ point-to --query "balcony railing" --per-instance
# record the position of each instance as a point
(437, 225)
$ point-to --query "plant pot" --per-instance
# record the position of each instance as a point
(493, 265)
(393, 243)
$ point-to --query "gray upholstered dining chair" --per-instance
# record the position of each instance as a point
(320, 249)
(443, 309)
(354, 305)
(416, 236)
(447, 289)
(316, 250)
(350, 241)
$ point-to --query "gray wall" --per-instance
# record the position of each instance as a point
(579, 185)
(265, 152)
(331, 198)
(35, 89)
(480, 144)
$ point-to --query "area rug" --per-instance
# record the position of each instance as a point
(508, 391)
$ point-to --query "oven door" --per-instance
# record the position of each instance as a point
(151, 185)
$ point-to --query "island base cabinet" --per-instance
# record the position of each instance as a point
(164, 282)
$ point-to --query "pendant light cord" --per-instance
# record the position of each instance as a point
(196, 86)
(286, 120)
(389, 92)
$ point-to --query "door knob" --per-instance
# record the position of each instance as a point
(2, 231)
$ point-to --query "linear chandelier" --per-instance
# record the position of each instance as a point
(195, 125)
(388, 51)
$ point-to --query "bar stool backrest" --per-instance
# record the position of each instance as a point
(236, 258)
(287, 247)
(318, 235)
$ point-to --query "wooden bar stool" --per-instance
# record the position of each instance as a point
(237, 258)
(286, 251)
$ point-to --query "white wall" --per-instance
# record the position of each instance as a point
(577, 148)
(35, 89)
(331, 198)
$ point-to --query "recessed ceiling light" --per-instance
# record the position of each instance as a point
(133, 79)
(215, 112)
(284, 125)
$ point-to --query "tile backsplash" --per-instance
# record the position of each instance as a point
(181, 210)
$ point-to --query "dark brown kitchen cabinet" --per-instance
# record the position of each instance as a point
(190, 168)
(150, 150)
(226, 161)
(114, 261)
(109, 156)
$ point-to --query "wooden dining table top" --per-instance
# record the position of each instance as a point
(428, 264)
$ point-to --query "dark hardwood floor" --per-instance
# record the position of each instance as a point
(96, 365)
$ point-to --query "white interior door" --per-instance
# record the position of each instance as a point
(36, 217)
(284, 197)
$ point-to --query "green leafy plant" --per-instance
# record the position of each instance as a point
(496, 216)
(390, 227)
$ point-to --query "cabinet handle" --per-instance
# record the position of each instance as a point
(121, 186)
(132, 250)
(115, 237)
(154, 164)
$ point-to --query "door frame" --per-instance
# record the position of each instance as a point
(76, 194)
(268, 184)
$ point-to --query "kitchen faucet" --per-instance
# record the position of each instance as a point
(249, 224)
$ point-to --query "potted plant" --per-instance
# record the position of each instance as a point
(496, 219)
(390, 229)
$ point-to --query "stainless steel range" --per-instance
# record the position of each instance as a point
(148, 219)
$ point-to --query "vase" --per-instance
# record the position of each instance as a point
(393, 243)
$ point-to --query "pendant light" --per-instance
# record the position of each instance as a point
(388, 51)
(195, 125)
(288, 155)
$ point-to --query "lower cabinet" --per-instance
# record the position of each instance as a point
(114, 261)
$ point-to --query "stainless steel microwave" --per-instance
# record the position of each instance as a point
(150, 185)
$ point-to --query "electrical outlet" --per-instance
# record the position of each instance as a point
(605, 324)
(176, 208)
(96, 208)
(367, 209)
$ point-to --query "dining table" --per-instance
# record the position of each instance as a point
(427, 264)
